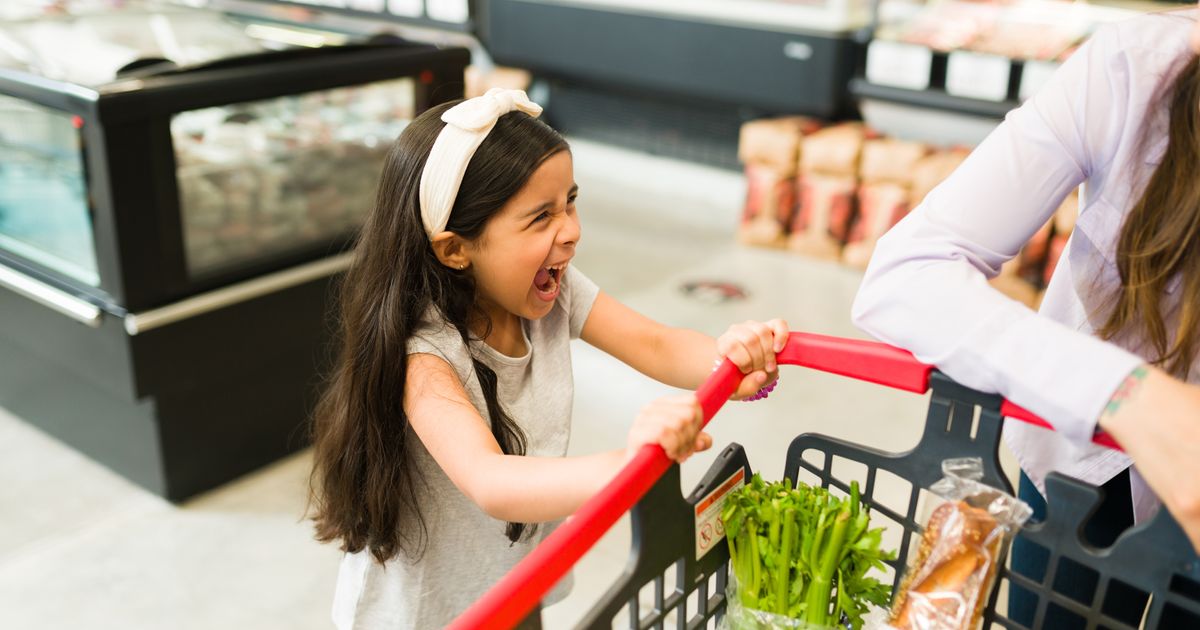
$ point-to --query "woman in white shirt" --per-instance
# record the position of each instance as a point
(1115, 345)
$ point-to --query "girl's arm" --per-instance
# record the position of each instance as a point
(926, 288)
(680, 357)
(519, 488)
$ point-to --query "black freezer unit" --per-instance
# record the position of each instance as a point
(178, 190)
(675, 77)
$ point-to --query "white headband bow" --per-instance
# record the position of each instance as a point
(467, 124)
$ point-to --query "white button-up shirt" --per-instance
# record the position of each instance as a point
(1101, 121)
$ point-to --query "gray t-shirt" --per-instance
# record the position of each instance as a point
(467, 550)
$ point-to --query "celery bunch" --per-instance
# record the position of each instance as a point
(804, 553)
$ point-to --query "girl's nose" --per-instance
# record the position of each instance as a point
(570, 232)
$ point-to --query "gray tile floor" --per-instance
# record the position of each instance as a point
(82, 548)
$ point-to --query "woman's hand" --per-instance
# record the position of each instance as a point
(672, 422)
(752, 346)
(1156, 419)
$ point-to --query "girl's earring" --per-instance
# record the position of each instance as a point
(461, 266)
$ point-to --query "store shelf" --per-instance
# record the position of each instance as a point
(935, 99)
(974, 61)
(444, 15)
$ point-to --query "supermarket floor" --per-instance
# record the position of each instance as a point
(82, 548)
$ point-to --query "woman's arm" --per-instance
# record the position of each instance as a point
(1157, 420)
(520, 488)
(680, 357)
(926, 288)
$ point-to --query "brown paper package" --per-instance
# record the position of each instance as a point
(827, 185)
(825, 209)
(770, 202)
(774, 142)
(884, 197)
(833, 151)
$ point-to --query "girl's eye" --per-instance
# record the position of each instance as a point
(571, 199)
(542, 217)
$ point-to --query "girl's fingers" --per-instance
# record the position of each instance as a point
(767, 342)
(740, 355)
(753, 346)
(750, 384)
(675, 421)
(780, 331)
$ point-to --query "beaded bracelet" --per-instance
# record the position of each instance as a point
(761, 393)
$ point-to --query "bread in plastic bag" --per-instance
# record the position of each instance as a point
(950, 579)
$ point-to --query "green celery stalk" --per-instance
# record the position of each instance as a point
(785, 562)
(755, 566)
(817, 608)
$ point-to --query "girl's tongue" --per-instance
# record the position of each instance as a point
(546, 283)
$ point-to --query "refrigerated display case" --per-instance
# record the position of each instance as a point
(969, 62)
(678, 77)
(178, 188)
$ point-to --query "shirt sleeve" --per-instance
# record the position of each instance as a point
(581, 294)
(926, 287)
(442, 340)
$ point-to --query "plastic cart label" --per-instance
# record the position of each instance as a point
(709, 529)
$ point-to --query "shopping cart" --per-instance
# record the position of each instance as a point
(676, 543)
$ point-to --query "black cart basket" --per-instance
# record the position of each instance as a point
(677, 554)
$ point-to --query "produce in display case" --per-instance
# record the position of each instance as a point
(239, 145)
(273, 175)
(1025, 29)
(969, 61)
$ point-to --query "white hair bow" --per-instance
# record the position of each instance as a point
(467, 124)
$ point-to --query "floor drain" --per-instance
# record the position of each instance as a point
(714, 292)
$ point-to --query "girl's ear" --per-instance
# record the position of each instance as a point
(450, 250)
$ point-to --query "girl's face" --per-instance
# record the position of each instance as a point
(1194, 40)
(524, 249)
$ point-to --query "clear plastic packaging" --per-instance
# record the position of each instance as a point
(738, 617)
(950, 579)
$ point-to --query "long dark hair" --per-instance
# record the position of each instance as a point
(364, 485)
(1160, 239)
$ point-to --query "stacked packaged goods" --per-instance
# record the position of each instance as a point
(832, 192)
(885, 194)
(828, 181)
(770, 151)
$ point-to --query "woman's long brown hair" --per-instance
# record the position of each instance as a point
(1160, 240)
(365, 489)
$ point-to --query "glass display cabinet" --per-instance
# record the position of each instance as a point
(178, 188)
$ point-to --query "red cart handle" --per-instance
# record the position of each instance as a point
(509, 601)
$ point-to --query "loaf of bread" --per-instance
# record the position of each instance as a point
(951, 578)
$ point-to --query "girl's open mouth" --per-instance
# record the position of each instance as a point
(548, 281)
